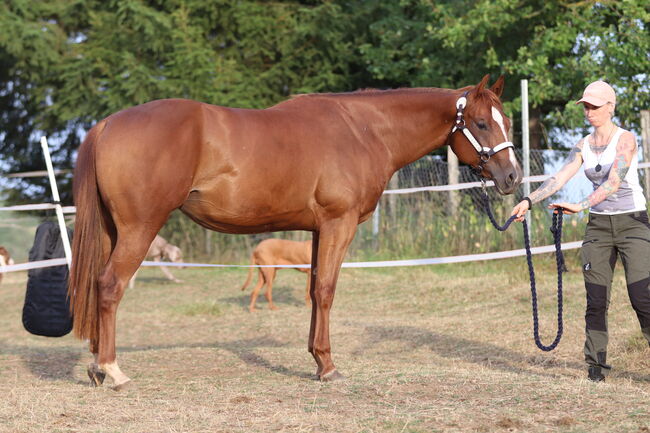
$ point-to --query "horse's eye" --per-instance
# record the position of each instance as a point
(481, 125)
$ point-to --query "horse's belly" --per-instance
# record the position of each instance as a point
(244, 217)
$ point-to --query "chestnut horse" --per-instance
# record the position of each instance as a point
(316, 162)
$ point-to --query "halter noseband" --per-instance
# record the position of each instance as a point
(484, 153)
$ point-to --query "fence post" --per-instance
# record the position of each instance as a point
(525, 144)
(57, 202)
(393, 183)
(645, 142)
(375, 221)
(453, 174)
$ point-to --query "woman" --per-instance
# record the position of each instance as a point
(618, 220)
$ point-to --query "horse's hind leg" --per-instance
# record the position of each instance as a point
(96, 374)
(125, 259)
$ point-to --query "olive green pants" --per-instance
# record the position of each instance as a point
(608, 237)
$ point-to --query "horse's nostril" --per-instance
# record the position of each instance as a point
(510, 179)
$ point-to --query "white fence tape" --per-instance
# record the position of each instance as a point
(394, 263)
(377, 264)
(42, 206)
(39, 173)
(33, 265)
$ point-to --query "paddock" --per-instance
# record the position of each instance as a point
(445, 348)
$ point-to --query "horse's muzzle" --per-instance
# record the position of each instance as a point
(507, 181)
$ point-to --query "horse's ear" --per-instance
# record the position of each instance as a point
(480, 86)
(497, 87)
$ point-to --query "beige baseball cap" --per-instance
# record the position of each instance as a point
(598, 93)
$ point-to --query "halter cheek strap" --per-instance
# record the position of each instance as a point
(484, 152)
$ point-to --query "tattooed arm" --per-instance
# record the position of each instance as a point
(553, 183)
(626, 151)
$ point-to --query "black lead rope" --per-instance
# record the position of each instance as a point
(556, 229)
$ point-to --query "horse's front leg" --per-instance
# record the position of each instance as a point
(328, 250)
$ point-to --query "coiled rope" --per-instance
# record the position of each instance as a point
(556, 229)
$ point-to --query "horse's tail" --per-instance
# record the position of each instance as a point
(250, 273)
(89, 235)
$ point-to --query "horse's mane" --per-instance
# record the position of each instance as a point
(483, 96)
(373, 92)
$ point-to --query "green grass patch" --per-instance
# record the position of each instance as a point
(211, 308)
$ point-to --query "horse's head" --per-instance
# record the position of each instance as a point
(480, 136)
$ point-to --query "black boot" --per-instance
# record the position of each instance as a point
(596, 374)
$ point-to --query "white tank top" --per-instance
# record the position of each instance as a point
(629, 197)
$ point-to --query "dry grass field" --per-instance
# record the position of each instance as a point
(425, 349)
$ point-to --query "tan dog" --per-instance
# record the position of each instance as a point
(277, 252)
(158, 250)
(5, 259)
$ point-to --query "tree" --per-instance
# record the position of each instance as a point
(559, 46)
(586, 41)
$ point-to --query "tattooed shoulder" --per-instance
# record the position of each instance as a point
(627, 142)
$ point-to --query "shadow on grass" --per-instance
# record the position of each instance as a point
(484, 354)
(59, 364)
(282, 295)
(48, 364)
(243, 349)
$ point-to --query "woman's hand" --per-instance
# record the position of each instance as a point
(569, 208)
(520, 210)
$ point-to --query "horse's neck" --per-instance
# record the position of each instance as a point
(411, 124)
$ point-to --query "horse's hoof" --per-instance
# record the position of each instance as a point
(122, 386)
(332, 376)
(96, 375)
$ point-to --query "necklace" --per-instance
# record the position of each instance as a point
(598, 166)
